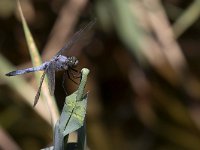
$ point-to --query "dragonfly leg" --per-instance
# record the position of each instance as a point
(74, 69)
(63, 82)
(68, 74)
(75, 76)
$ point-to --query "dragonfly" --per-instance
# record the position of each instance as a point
(59, 62)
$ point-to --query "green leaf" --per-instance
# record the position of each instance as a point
(73, 113)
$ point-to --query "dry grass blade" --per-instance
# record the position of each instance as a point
(187, 18)
(36, 60)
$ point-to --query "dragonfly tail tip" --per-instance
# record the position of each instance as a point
(8, 74)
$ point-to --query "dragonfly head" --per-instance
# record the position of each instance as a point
(72, 61)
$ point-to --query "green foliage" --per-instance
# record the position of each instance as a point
(73, 114)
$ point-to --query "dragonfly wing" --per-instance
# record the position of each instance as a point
(77, 36)
(51, 77)
(39, 89)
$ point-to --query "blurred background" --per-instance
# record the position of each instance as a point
(144, 61)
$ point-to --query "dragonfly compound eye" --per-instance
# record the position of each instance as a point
(73, 61)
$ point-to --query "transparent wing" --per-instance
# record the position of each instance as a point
(76, 37)
(39, 89)
(51, 77)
